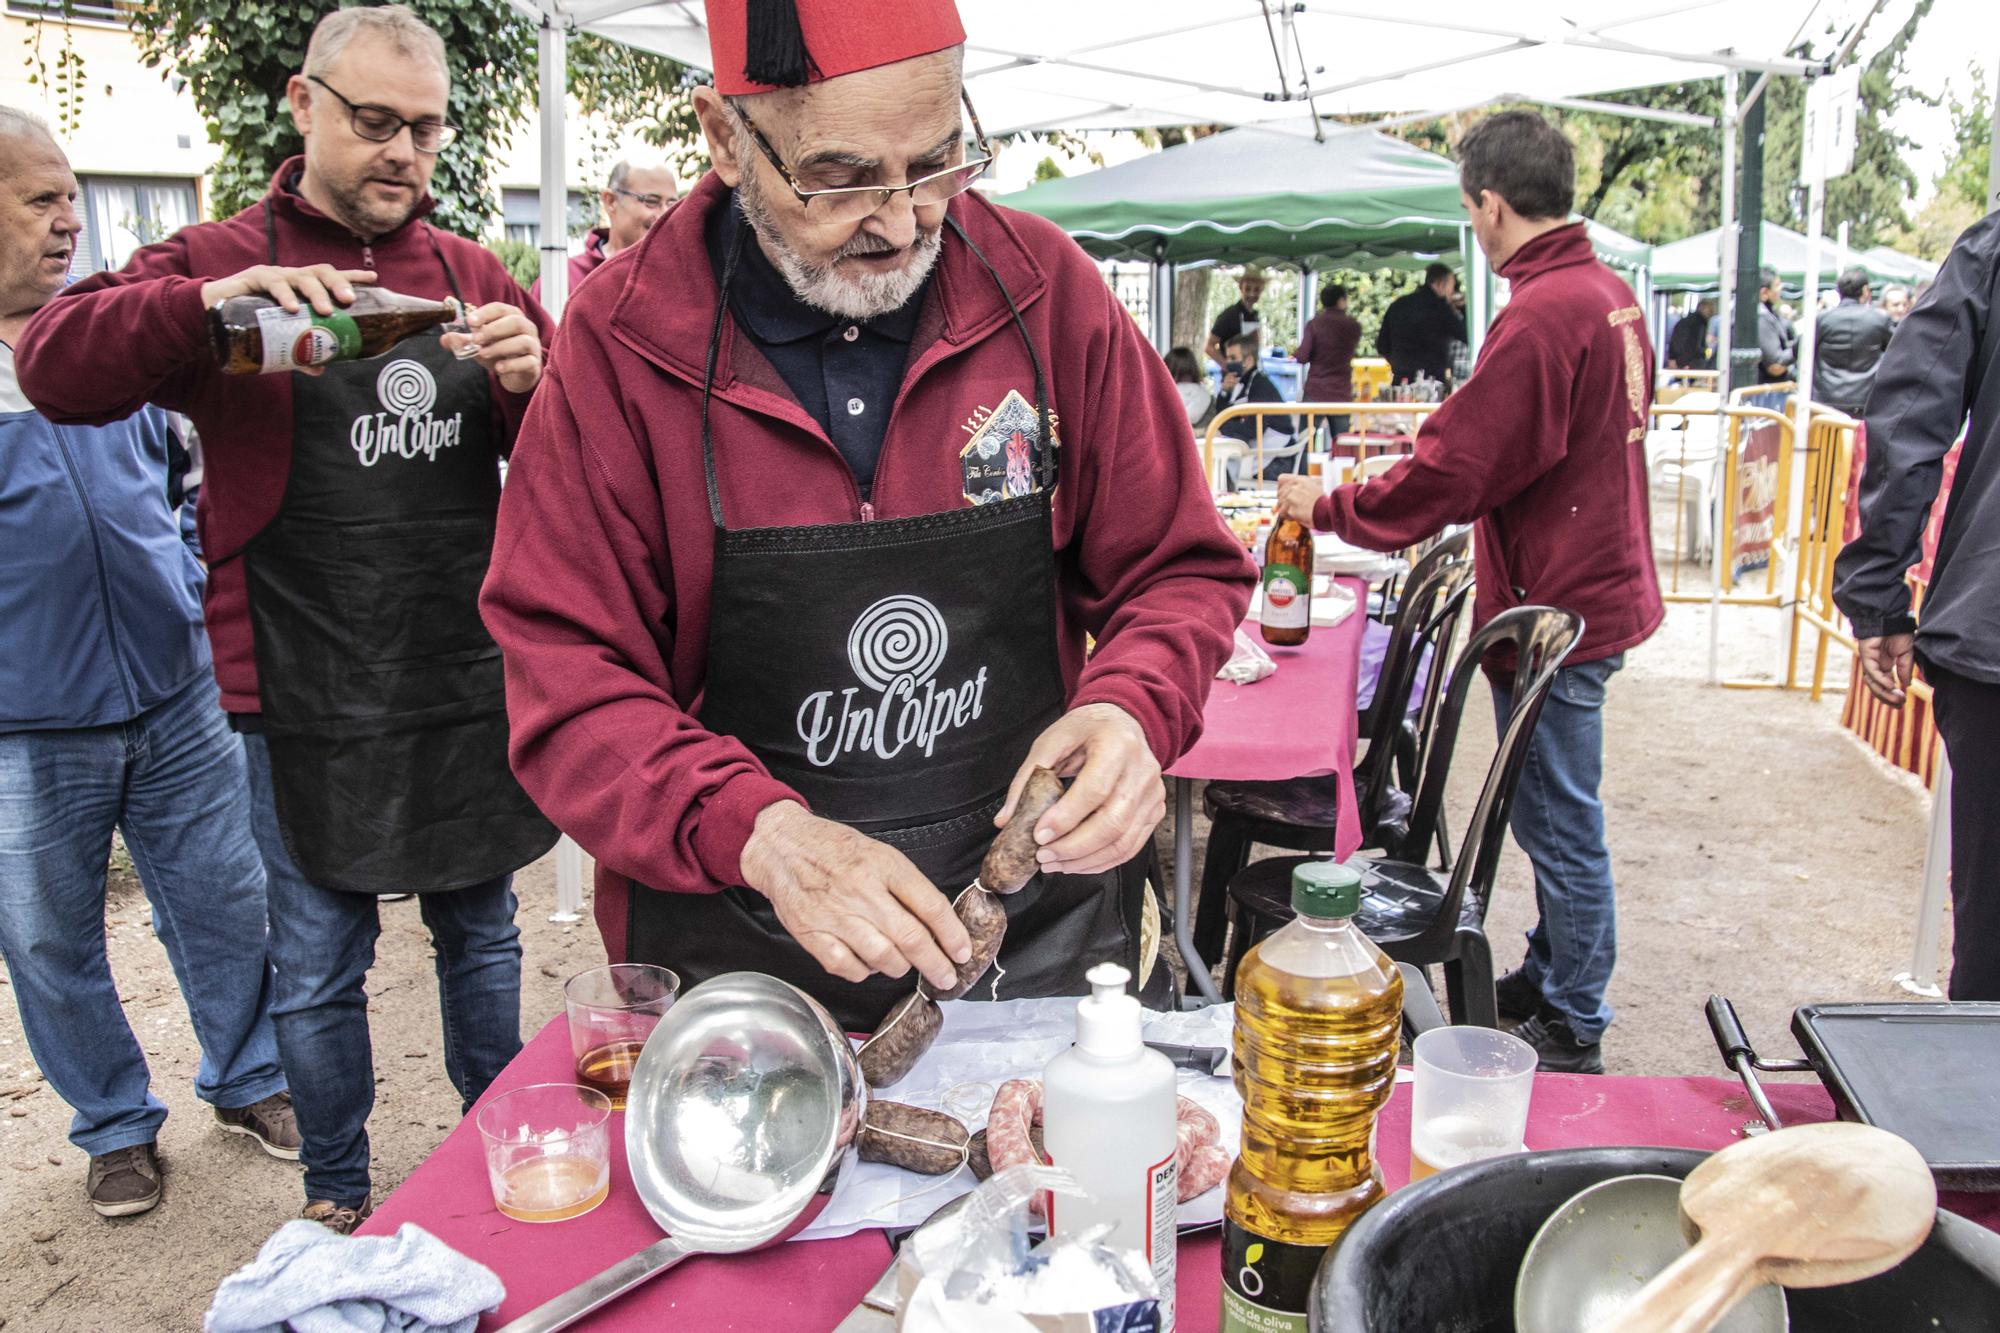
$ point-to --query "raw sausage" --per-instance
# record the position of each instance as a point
(982, 1166)
(912, 1137)
(904, 1035)
(986, 922)
(1206, 1168)
(1017, 1108)
(1199, 1158)
(1010, 861)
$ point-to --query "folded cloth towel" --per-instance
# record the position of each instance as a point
(320, 1282)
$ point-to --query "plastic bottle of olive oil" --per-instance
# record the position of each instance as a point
(1318, 1017)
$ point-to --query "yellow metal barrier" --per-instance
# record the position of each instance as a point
(1822, 518)
(1772, 479)
(1309, 419)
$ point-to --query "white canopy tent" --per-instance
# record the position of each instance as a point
(1130, 64)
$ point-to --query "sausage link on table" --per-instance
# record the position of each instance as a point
(1199, 1157)
(928, 1142)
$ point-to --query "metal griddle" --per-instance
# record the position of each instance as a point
(1927, 1072)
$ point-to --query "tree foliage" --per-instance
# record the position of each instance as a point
(1872, 197)
(1962, 196)
(236, 56)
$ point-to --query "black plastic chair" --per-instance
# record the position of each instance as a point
(1451, 544)
(1410, 911)
(1300, 814)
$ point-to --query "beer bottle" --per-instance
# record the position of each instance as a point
(254, 335)
(1288, 581)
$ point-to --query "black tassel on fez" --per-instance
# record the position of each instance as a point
(774, 46)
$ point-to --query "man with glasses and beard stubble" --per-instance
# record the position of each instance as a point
(348, 518)
(830, 479)
(634, 198)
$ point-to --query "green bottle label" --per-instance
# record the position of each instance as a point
(1266, 1284)
(292, 341)
(1287, 596)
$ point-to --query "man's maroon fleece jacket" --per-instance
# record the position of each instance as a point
(1544, 448)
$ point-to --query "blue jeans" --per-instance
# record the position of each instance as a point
(322, 944)
(1559, 822)
(172, 781)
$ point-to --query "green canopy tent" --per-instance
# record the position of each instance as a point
(1275, 194)
(1691, 265)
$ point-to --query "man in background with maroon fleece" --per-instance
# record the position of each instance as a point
(1544, 448)
(348, 518)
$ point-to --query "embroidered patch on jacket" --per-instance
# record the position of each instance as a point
(1005, 457)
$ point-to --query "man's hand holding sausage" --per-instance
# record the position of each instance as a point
(856, 905)
(1112, 807)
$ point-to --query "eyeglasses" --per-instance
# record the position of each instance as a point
(850, 203)
(643, 200)
(378, 124)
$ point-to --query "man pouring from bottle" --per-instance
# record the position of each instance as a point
(346, 563)
(831, 476)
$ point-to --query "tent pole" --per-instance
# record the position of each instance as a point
(1479, 291)
(554, 243)
(1921, 979)
(1993, 157)
(1307, 305)
(1162, 305)
(1726, 315)
(553, 54)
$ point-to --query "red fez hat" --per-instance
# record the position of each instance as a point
(758, 45)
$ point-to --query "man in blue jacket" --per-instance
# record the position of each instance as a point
(108, 719)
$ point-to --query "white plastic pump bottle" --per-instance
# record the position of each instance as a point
(1109, 1119)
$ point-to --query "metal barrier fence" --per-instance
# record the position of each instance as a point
(1314, 425)
(1778, 504)
(1822, 532)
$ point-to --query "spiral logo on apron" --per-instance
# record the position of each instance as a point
(898, 636)
(406, 388)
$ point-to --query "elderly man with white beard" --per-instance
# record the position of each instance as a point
(830, 479)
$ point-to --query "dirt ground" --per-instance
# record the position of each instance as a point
(1759, 851)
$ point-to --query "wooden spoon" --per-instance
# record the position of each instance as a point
(1810, 1206)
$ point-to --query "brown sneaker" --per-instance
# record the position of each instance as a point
(270, 1122)
(335, 1218)
(124, 1181)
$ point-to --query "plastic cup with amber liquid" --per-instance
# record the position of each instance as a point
(612, 1010)
(548, 1151)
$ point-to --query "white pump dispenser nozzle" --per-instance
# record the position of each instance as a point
(1107, 1020)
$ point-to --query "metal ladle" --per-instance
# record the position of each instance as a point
(742, 1111)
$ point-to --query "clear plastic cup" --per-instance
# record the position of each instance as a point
(612, 1010)
(1470, 1100)
(548, 1151)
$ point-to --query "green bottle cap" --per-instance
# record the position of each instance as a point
(1325, 889)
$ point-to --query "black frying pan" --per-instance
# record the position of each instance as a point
(1927, 1072)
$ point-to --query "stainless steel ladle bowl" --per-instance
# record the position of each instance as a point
(742, 1114)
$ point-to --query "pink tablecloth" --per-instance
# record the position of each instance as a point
(809, 1286)
(1297, 722)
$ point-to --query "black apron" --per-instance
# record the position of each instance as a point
(383, 706)
(894, 673)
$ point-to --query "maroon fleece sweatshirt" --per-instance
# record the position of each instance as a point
(1545, 449)
(599, 587)
(116, 341)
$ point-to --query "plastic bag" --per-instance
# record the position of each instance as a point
(978, 1270)
(1248, 662)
